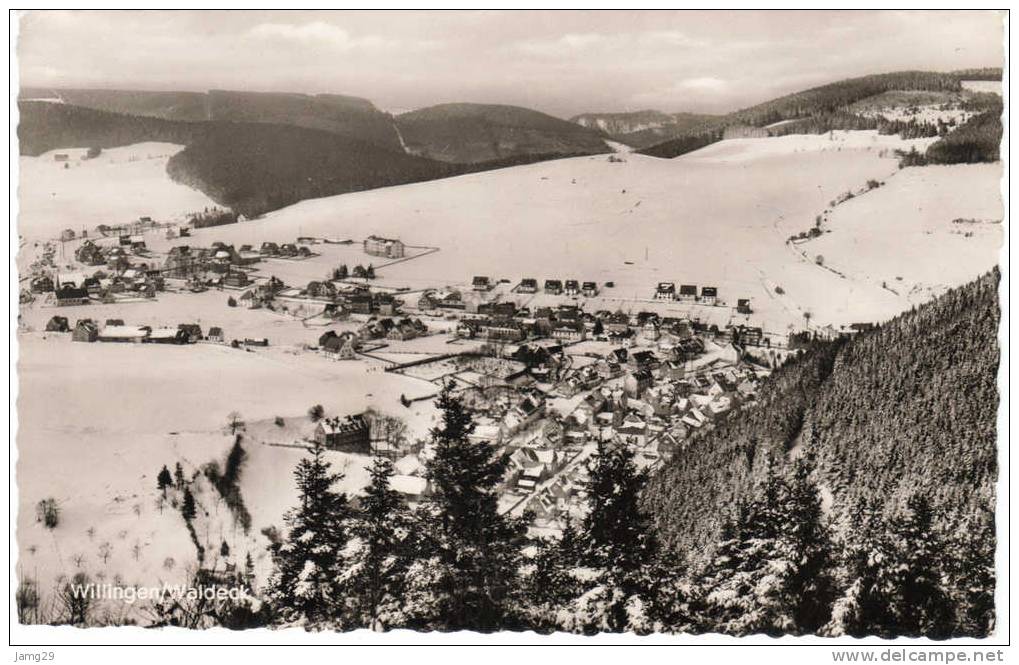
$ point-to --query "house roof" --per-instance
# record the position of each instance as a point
(688, 290)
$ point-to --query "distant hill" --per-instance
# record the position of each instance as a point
(252, 167)
(471, 133)
(641, 129)
(354, 117)
(167, 105)
(818, 109)
(909, 406)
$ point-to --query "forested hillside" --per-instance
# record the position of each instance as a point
(255, 168)
(642, 129)
(470, 133)
(819, 109)
(45, 126)
(353, 117)
(911, 406)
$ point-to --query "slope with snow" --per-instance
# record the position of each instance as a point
(118, 186)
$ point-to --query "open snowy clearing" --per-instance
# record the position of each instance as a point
(118, 186)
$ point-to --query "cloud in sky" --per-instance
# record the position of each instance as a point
(558, 62)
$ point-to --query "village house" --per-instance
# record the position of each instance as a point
(338, 347)
(643, 360)
(637, 382)
(743, 306)
(90, 254)
(215, 335)
(126, 334)
(58, 324)
(572, 287)
(709, 295)
(322, 290)
(553, 287)
(69, 295)
(238, 279)
(569, 332)
(617, 322)
(481, 283)
(413, 488)
(41, 284)
(688, 292)
(192, 330)
(349, 435)
(269, 249)
(85, 330)
(389, 248)
(590, 289)
(527, 411)
(504, 330)
(528, 285)
(167, 336)
(506, 309)
(665, 291)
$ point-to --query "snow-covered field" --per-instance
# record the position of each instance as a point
(905, 234)
(719, 216)
(97, 421)
(118, 186)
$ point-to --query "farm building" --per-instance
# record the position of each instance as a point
(85, 331)
(349, 435)
(126, 334)
(167, 336)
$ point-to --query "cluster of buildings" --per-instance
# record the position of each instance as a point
(345, 345)
(556, 287)
(687, 293)
(115, 330)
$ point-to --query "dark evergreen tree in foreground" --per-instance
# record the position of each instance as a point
(382, 533)
(304, 586)
(466, 573)
(772, 570)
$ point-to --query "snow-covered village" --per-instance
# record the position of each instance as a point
(418, 363)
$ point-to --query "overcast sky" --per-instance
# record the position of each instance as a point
(558, 62)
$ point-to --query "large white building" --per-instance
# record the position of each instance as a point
(387, 247)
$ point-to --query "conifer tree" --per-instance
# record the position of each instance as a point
(809, 586)
(971, 573)
(163, 480)
(306, 562)
(187, 507)
(865, 576)
(377, 557)
(922, 608)
(178, 476)
(466, 578)
(552, 583)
